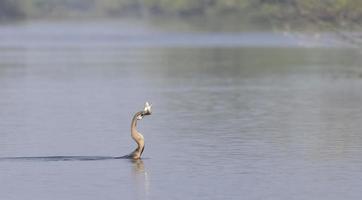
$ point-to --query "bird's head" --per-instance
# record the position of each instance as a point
(146, 111)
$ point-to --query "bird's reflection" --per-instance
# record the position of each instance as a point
(141, 179)
(138, 166)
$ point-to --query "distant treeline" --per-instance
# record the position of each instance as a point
(334, 11)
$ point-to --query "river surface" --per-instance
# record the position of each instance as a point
(235, 115)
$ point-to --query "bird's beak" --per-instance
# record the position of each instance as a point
(147, 110)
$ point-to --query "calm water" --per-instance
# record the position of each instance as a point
(248, 116)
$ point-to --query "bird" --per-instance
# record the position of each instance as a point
(137, 136)
(135, 155)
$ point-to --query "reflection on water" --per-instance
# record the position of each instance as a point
(138, 166)
(258, 122)
(141, 180)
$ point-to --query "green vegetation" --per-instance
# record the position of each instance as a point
(341, 12)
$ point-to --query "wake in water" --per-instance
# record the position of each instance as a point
(136, 154)
(63, 158)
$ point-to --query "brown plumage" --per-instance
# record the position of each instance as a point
(137, 136)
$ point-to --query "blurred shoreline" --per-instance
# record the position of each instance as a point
(316, 18)
(212, 15)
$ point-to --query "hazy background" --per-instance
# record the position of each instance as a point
(229, 15)
(338, 17)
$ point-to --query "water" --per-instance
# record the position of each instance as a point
(254, 120)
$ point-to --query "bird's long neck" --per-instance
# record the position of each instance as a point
(137, 137)
(134, 132)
